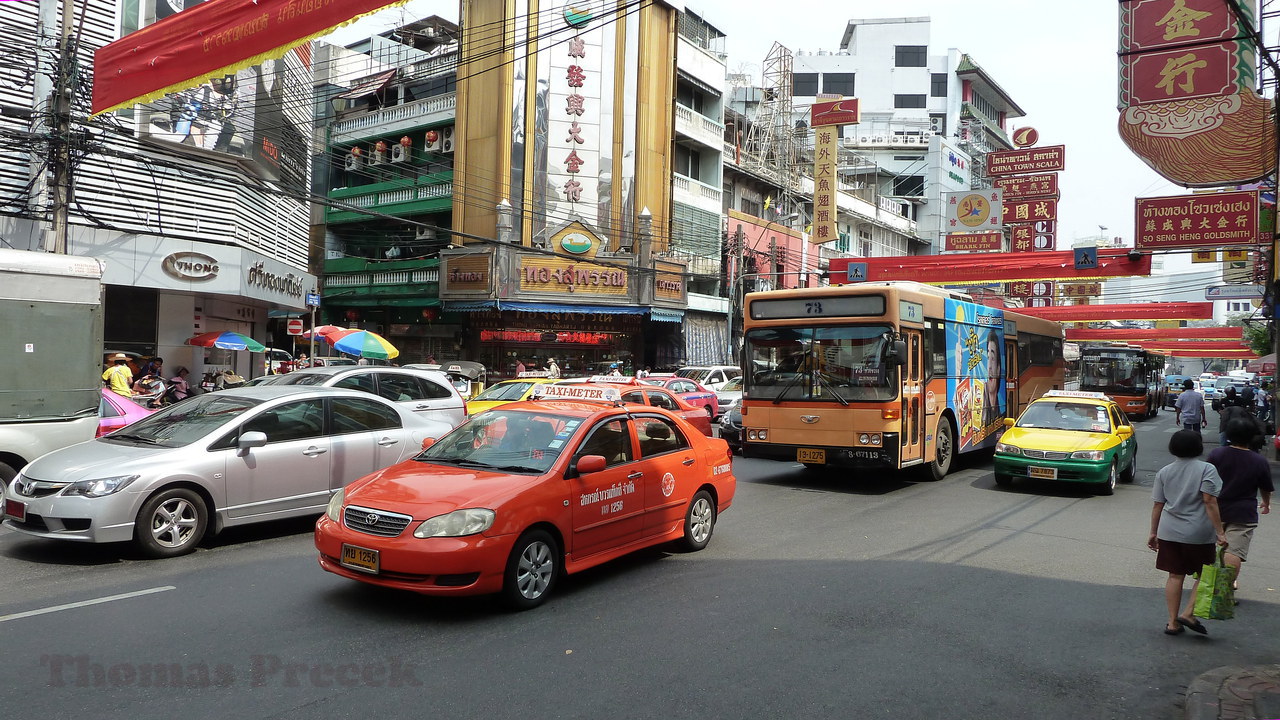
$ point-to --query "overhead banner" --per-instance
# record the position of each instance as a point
(212, 40)
(1175, 345)
(991, 267)
(1125, 311)
(1176, 333)
(1205, 220)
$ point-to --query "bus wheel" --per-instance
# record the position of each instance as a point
(943, 451)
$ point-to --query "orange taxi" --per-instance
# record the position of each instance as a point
(517, 496)
(642, 393)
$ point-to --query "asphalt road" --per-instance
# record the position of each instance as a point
(819, 596)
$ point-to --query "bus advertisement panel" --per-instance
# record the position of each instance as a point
(975, 376)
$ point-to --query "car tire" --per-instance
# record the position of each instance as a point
(533, 568)
(1131, 472)
(711, 412)
(7, 474)
(699, 522)
(944, 451)
(1003, 480)
(1109, 487)
(170, 523)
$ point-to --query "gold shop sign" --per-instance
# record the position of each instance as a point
(556, 275)
(467, 274)
(668, 281)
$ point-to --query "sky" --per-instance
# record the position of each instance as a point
(1057, 60)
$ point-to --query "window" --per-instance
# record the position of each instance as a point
(353, 415)
(689, 97)
(911, 56)
(432, 390)
(292, 421)
(358, 381)
(909, 101)
(804, 84)
(838, 83)
(657, 398)
(938, 85)
(399, 388)
(688, 163)
(610, 440)
(909, 186)
(750, 207)
(658, 436)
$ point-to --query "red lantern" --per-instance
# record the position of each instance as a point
(432, 137)
(356, 151)
(430, 314)
(353, 315)
(406, 142)
(380, 146)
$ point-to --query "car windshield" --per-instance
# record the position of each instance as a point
(1066, 416)
(503, 440)
(504, 391)
(1113, 373)
(697, 375)
(182, 424)
(843, 364)
(732, 385)
(301, 378)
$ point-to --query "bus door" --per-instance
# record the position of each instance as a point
(1013, 392)
(912, 432)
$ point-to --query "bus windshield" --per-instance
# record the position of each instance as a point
(1118, 375)
(837, 364)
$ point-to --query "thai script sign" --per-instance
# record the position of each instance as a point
(546, 274)
(1030, 160)
(1028, 186)
(984, 241)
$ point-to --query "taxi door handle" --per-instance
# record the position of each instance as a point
(634, 475)
(687, 461)
(314, 451)
(422, 406)
(387, 441)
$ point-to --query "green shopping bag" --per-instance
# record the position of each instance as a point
(1215, 598)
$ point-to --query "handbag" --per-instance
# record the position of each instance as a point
(1215, 598)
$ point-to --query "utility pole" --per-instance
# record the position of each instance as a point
(60, 136)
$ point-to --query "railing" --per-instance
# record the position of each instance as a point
(699, 126)
(400, 277)
(426, 192)
(419, 110)
(694, 187)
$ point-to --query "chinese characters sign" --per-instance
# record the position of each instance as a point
(973, 210)
(825, 149)
(984, 241)
(1040, 288)
(1202, 71)
(538, 336)
(1229, 218)
(1028, 186)
(1030, 160)
(573, 127)
(1031, 210)
(1076, 290)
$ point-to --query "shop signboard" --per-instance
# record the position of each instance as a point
(1203, 220)
(1016, 187)
(470, 273)
(826, 152)
(1050, 158)
(1033, 211)
(1083, 289)
(668, 282)
(973, 210)
(542, 274)
(979, 241)
(1031, 288)
(1022, 237)
(1182, 73)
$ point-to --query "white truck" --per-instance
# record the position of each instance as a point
(50, 354)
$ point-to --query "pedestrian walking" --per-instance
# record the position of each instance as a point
(1262, 403)
(1190, 408)
(553, 370)
(1184, 525)
(118, 377)
(1246, 475)
(519, 368)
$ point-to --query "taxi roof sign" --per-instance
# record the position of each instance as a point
(622, 379)
(590, 393)
(1077, 394)
(533, 374)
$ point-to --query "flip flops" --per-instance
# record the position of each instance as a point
(1193, 625)
(1176, 631)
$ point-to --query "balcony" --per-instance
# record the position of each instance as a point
(699, 128)
(409, 196)
(394, 120)
(700, 195)
(362, 283)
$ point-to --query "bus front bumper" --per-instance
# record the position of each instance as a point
(878, 458)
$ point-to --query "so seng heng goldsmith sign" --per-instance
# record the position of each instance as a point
(1205, 220)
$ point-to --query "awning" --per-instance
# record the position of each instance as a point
(665, 315)
(372, 85)
(482, 305)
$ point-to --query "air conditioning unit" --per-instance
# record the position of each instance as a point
(377, 157)
(938, 124)
(422, 234)
(399, 153)
(353, 162)
(446, 140)
(433, 139)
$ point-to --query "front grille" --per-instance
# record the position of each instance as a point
(1045, 454)
(375, 522)
(26, 487)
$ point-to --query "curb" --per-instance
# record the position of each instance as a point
(1235, 693)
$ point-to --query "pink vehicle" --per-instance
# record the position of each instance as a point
(115, 412)
(689, 391)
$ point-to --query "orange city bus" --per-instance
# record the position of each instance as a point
(1132, 376)
(887, 375)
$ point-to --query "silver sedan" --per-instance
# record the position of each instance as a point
(214, 461)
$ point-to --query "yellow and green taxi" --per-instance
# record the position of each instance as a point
(1071, 436)
(505, 392)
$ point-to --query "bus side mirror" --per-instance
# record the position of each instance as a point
(896, 353)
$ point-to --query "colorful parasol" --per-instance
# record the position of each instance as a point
(227, 341)
(328, 332)
(364, 344)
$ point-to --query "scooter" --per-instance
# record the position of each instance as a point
(153, 391)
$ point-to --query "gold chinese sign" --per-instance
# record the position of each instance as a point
(1084, 289)
(825, 151)
(539, 274)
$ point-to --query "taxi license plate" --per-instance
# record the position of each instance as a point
(811, 455)
(15, 510)
(1043, 473)
(358, 558)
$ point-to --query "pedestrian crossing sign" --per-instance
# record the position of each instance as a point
(857, 272)
(1086, 258)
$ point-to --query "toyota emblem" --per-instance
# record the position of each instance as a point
(372, 518)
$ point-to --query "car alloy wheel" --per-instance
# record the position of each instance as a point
(532, 570)
(699, 522)
(171, 523)
(1112, 478)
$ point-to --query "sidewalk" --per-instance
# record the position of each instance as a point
(1235, 693)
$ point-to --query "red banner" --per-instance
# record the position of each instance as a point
(1205, 220)
(1129, 334)
(1173, 346)
(986, 241)
(1125, 311)
(210, 40)
(992, 267)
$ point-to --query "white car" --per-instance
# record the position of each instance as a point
(211, 462)
(712, 377)
(428, 393)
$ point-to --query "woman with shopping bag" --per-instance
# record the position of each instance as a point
(1184, 525)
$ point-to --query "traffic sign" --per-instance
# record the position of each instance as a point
(295, 326)
(857, 272)
(1233, 292)
(1086, 258)
(313, 299)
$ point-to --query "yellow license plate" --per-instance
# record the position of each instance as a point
(1043, 473)
(811, 455)
(358, 558)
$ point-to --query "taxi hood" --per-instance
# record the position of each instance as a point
(425, 490)
(1059, 440)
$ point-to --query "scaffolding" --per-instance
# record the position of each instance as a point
(771, 138)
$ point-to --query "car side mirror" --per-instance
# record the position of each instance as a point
(589, 464)
(248, 440)
(1010, 422)
(428, 442)
(1124, 431)
(896, 353)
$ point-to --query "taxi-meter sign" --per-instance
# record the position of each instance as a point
(592, 393)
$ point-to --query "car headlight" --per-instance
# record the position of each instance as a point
(1008, 449)
(99, 487)
(456, 524)
(1089, 455)
(334, 511)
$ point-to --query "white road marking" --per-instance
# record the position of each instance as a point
(84, 603)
